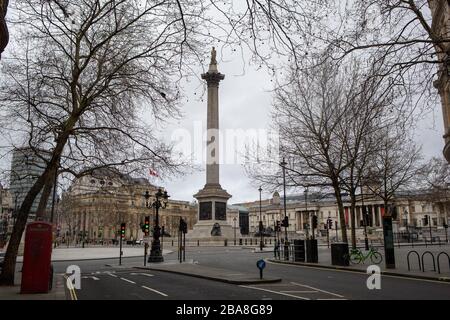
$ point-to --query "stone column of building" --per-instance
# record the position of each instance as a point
(380, 218)
(212, 199)
(440, 10)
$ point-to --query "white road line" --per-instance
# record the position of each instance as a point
(328, 292)
(128, 280)
(276, 292)
(146, 274)
(112, 275)
(332, 299)
(296, 291)
(156, 291)
(360, 273)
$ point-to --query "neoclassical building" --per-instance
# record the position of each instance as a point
(412, 208)
(98, 203)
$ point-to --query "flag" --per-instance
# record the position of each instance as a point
(153, 173)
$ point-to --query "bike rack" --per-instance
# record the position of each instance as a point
(434, 262)
(418, 259)
(439, 267)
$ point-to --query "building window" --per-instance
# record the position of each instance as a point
(92, 181)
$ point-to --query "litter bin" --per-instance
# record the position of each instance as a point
(311, 251)
(299, 250)
(339, 254)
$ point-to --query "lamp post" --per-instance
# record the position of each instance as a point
(155, 252)
(261, 243)
(234, 220)
(405, 216)
(286, 243)
(366, 240)
(307, 213)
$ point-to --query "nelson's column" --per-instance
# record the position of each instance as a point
(212, 199)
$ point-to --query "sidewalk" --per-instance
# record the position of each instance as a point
(401, 263)
(69, 254)
(13, 293)
(210, 273)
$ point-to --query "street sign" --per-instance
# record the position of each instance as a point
(261, 264)
(146, 240)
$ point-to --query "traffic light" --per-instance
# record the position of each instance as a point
(122, 230)
(330, 223)
(425, 220)
(147, 225)
(183, 226)
(261, 227)
(314, 222)
(285, 222)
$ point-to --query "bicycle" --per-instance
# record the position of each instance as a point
(357, 256)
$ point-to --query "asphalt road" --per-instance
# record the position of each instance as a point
(100, 281)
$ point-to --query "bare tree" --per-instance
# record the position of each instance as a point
(81, 84)
(395, 165)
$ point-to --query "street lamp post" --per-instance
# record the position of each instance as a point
(307, 213)
(156, 252)
(286, 243)
(405, 215)
(366, 240)
(234, 220)
(261, 244)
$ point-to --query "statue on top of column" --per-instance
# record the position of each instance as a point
(213, 56)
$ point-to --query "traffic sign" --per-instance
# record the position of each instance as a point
(146, 239)
(261, 264)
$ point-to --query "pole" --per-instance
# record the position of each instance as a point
(120, 248)
(184, 246)
(260, 221)
(84, 227)
(286, 243)
(363, 208)
(307, 213)
(234, 230)
(328, 235)
(145, 253)
(431, 237)
(162, 239)
(336, 227)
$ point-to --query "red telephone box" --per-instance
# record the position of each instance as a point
(36, 270)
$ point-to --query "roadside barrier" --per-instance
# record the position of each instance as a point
(418, 259)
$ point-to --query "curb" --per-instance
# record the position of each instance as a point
(229, 281)
(387, 273)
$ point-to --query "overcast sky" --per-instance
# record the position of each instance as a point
(245, 103)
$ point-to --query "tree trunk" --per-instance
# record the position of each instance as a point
(353, 220)
(9, 264)
(337, 192)
(42, 214)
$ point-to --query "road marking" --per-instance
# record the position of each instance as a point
(332, 299)
(88, 277)
(297, 291)
(356, 272)
(156, 291)
(70, 287)
(276, 292)
(324, 291)
(128, 280)
(112, 275)
(142, 274)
